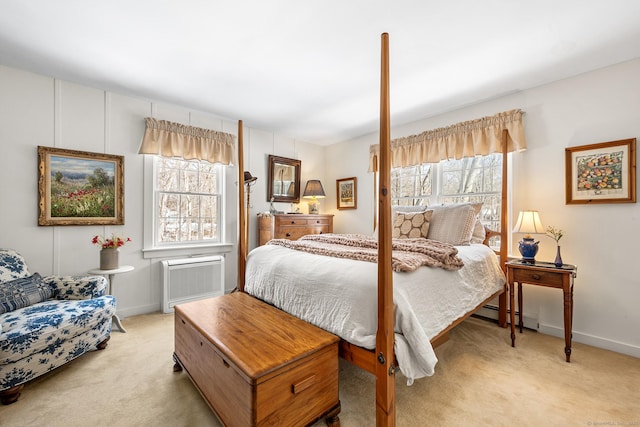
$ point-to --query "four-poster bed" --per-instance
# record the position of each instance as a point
(382, 361)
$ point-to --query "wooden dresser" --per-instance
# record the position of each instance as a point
(292, 226)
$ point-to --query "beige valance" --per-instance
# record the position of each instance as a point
(170, 139)
(478, 137)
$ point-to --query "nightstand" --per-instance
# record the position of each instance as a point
(542, 274)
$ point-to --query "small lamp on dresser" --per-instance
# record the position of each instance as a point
(313, 190)
(528, 223)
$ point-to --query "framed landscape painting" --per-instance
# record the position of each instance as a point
(79, 188)
(601, 173)
(346, 193)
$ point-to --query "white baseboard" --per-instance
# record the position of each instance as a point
(592, 340)
(141, 309)
(491, 312)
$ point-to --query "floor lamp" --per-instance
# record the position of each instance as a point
(248, 181)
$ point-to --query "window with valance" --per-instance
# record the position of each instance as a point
(472, 138)
(188, 187)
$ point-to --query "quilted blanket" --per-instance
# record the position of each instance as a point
(407, 254)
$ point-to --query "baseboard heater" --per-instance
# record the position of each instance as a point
(190, 279)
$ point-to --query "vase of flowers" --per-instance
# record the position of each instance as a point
(556, 234)
(109, 254)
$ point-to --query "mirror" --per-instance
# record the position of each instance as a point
(283, 183)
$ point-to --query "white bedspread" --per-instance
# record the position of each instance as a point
(340, 296)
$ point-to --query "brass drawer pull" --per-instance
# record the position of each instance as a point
(536, 276)
(288, 234)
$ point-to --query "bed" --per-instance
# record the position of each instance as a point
(339, 295)
(381, 337)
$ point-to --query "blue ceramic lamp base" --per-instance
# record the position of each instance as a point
(528, 249)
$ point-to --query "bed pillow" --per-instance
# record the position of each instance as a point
(411, 225)
(479, 233)
(23, 292)
(401, 209)
(453, 224)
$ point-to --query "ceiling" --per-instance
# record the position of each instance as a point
(311, 69)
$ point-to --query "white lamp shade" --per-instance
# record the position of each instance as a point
(529, 222)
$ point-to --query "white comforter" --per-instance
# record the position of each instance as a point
(340, 296)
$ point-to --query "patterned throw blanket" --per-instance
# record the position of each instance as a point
(407, 254)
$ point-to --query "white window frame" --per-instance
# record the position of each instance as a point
(437, 196)
(153, 250)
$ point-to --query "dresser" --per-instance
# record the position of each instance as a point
(292, 226)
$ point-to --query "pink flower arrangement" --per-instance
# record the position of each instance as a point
(113, 242)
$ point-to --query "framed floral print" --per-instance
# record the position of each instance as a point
(346, 191)
(601, 173)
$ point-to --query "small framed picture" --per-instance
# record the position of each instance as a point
(601, 173)
(79, 188)
(346, 191)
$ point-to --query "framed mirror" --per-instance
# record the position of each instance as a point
(283, 184)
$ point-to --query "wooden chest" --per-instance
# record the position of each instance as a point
(255, 364)
(292, 226)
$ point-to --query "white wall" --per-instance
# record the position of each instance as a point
(600, 239)
(37, 110)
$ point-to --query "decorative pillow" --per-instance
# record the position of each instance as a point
(12, 265)
(411, 225)
(23, 292)
(479, 233)
(453, 224)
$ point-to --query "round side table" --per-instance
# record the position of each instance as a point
(110, 274)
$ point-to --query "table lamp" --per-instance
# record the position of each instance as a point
(529, 223)
(313, 190)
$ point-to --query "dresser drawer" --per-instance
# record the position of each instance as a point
(537, 276)
(293, 226)
(291, 220)
(294, 233)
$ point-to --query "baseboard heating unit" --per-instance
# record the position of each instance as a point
(190, 279)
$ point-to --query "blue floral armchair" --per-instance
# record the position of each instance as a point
(46, 321)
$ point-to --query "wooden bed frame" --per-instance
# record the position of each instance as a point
(381, 362)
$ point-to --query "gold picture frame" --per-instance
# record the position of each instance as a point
(79, 187)
(346, 193)
(601, 173)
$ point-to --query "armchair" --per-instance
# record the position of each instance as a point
(46, 322)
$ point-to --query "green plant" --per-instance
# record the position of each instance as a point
(555, 233)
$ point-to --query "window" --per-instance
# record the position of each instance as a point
(475, 179)
(188, 201)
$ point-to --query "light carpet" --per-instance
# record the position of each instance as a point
(480, 380)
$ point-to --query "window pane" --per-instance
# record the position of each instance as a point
(188, 196)
(469, 180)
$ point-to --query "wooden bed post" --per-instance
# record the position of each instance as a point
(242, 220)
(385, 378)
(504, 224)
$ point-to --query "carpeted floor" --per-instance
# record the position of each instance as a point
(479, 381)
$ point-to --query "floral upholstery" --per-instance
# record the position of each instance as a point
(41, 337)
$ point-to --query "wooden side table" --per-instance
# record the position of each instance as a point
(542, 274)
(111, 273)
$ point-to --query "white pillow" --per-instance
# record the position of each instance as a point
(479, 233)
(453, 224)
(411, 225)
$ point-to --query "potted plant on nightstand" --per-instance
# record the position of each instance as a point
(556, 234)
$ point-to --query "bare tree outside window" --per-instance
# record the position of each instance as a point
(469, 180)
(188, 197)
